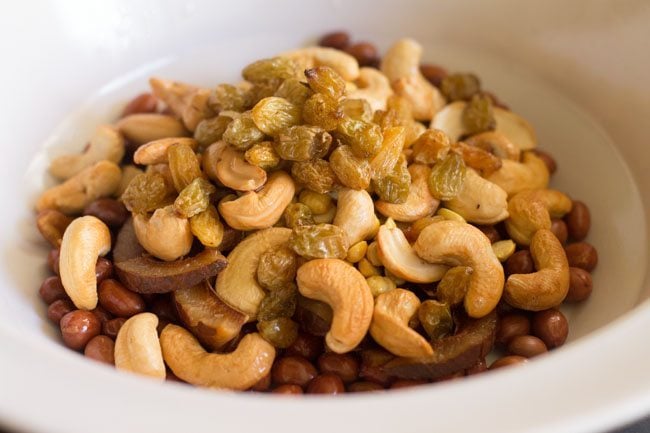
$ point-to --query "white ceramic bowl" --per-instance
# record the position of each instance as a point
(576, 70)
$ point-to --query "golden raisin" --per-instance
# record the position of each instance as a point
(319, 110)
(242, 133)
(352, 171)
(302, 143)
(391, 149)
(436, 319)
(316, 175)
(364, 138)
(274, 114)
(457, 87)
(145, 193)
(298, 214)
(478, 159)
(280, 302)
(211, 130)
(358, 109)
(430, 147)
(183, 165)
(394, 187)
(319, 241)
(325, 80)
(294, 91)
(453, 286)
(478, 115)
(263, 155)
(447, 177)
(275, 69)
(194, 198)
(207, 227)
(280, 332)
(276, 268)
(226, 97)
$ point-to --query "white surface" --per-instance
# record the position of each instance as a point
(64, 57)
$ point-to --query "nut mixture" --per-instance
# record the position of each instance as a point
(336, 222)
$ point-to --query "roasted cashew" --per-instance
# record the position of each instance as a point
(355, 215)
(547, 287)
(84, 240)
(514, 176)
(419, 203)
(52, 224)
(227, 165)
(340, 285)
(455, 243)
(401, 64)
(532, 210)
(373, 86)
(164, 235)
(190, 103)
(107, 144)
(237, 285)
(258, 210)
(479, 200)
(73, 195)
(155, 152)
(145, 127)
(310, 57)
(238, 370)
(137, 348)
(398, 257)
(496, 143)
(390, 324)
(514, 127)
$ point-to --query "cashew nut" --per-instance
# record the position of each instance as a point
(532, 210)
(398, 257)
(355, 215)
(52, 224)
(479, 200)
(419, 203)
(343, 288)
(85, 239)
(390, 324)
(145, 127)
(310, 57)
(514, 176)
(164, 235)
(373, 86)
(190, 103)
(455, 243)
(547, 287)
(227, 165)
(155, 152)
(496, 143)
(514, 127)
(137, 348)
(401, 65)
(238, 370)
(258, 210)
(237, 285)
(106, 144)
(73, 195)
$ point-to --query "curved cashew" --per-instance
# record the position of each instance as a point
(188, 102)
(258, 210)
(514, 176)
(84, 240)
(532, 210)
(164, 235)
(496, 143)
(237, 285)
(73, 195)
(310, 57)
(460, 244)
(514, 127)
(238, 370)
(227, 165)
(419, 203)
(479, 200)
(401, 65)
(373, 86)
(340, 285)
(390, 324)
(547, 287)
(397, 256)
(355, 215)
(155, 152)
(107, 144)
(145, 127)
(137, 348)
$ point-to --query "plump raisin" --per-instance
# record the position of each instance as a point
(453, 286)
(457, 87)
(432, 146)
(183, 165)
(298, 214)
(302, 143)
(364, 138)
(319, 241)
(294, 91)
(391, 148)
(436, 319)
(357, 109)
(352, 171)
(478, 115)
(275, 69)
(277, 268)
(394, 187)
(145, 193)
(319, 110)
(263, 155)
(207, 227)
(327, 81)
(211, 130)
(316, 175)
(280, 302)
(226, 97)
(274, 114)
(242, 132)
(280, 332)
(194, 198)
(398, 113)
(447, 177)
(478, 159)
